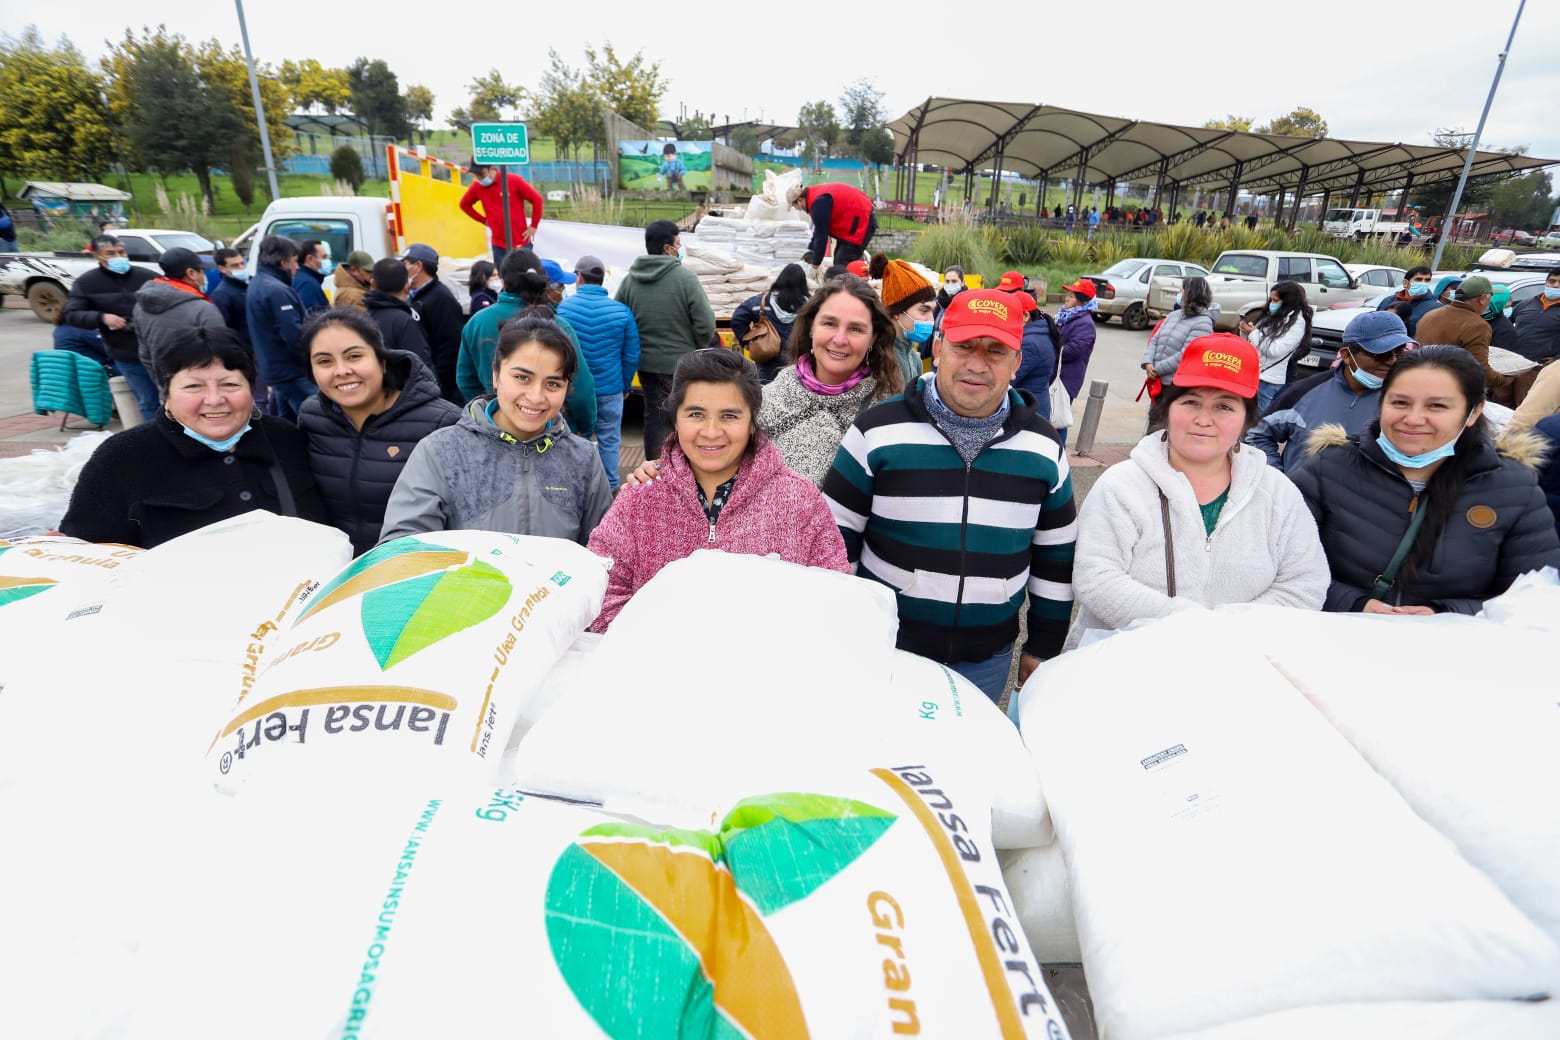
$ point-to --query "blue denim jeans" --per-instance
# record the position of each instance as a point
(1265, 394)
(609, 433)
(989, 676)
(288, 396)
(141, 385)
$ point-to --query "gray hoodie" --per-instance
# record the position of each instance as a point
(162, 309)
(474, 476)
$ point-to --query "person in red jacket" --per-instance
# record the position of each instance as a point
(838, 211)
(486, 190)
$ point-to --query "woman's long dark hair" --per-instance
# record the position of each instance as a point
(1446, 485)
(716, 365)
(1291, 308)
(790, 288)
(1196, 296)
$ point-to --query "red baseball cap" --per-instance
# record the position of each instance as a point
(1010, 280)
(1221, 360)
(1082, 287)
(984, 312)
(858, 268)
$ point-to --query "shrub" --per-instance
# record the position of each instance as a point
(347, 165)
(1028, 246)
(956, 241)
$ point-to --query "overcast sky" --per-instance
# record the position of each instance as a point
(1371, 76)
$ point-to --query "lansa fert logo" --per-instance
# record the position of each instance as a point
(414, 594)
(661, 932)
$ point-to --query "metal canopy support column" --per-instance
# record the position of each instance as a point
(1408, 186)
(1305, 172)
(1359, 185)
(1175, 198)
(1045, 184)
(1326, 205)
(1229, 204)
(1159, 185)
(1278, 211)
(1083, 166)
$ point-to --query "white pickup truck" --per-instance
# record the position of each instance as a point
(1363, 223)
(45, 278)
(1242, 279)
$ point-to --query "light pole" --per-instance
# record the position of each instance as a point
(1473, 146)
(254, 87)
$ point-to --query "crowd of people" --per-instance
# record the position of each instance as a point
(903, 432)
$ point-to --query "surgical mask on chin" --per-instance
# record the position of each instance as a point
(1419, 289)
(1434, 455)
(920, 332)
(1369, 380)
(119, 265)
(224, 445)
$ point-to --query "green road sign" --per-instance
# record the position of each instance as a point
(500, 144)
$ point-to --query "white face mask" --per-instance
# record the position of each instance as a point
(495, 285)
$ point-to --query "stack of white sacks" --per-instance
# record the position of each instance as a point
(243, 760)
(1276, 823)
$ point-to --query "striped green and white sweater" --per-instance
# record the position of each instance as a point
(959, 544)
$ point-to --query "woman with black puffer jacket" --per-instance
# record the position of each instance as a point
(373, 406)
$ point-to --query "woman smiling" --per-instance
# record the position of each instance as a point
(207, 456)
(1422, 514)
(1190, 519)
(373, 408)
(722, 486)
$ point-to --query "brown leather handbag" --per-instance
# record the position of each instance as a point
(763, 339)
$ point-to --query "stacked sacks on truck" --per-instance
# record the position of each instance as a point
(746, 713)
(873, 909)
(1233, 856)
(411, 661)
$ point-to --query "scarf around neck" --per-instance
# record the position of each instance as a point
(1067, 314)
(809, 379)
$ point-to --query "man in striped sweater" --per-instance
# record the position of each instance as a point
(957, 495)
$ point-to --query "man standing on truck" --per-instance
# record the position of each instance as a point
(103, 300)
(439, 313)
(838, 211)
(488, 190)
(673, 315)
(275, 317)
(1416, 293)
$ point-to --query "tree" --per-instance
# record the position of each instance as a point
(172, 119)
(309, 84)
(818, 129)
(861, 109)
(1302, 122)
(419, 109)
(1522, 200)
(633, 90)
(696, 128)
(1230, 122)
(226, 76)
(744, 139)
(376, 97)
(489, 96)
(565, 109)
(347, 165)
(52, 118)
(876, 146)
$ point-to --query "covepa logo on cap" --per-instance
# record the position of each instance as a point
(1219, 359)
(986, 305)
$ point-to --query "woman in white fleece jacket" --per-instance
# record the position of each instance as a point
(1281, 331)
(1239, 530)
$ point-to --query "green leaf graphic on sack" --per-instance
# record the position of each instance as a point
(13, 589)
(413, 594)
(661, 932)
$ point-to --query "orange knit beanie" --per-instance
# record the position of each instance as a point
(902, 287)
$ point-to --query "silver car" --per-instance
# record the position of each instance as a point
(1122, 290)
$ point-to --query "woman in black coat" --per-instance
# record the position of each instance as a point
(207, 455)
(780, 304)
(374, 405)
(1485, 521)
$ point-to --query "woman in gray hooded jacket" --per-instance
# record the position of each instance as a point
(1196, 316)
(510, 463)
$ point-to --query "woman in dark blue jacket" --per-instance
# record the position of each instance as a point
(373, 407)
(780, 304)
(1482, 519)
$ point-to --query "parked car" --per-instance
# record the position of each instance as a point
(1242, 279)
(1548, 240)
(1513, 237)
(1327, 326)
(1374, 274)
(45, 278)
(1121, 291)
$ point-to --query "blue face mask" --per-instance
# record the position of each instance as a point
(1417, 289)
(682, 253)
(327, 266)
(1368, 380)
(119, 265)
(1434, 455)
(1273, 306)
(242, 274)
(225, 445)
(1551, 292)
(920, 332)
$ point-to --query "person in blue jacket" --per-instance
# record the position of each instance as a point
(1041, 346)
(609, 344)
(309, 280)
(275, 317)
(779, 304)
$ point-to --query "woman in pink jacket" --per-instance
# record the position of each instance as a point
(722, 486)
